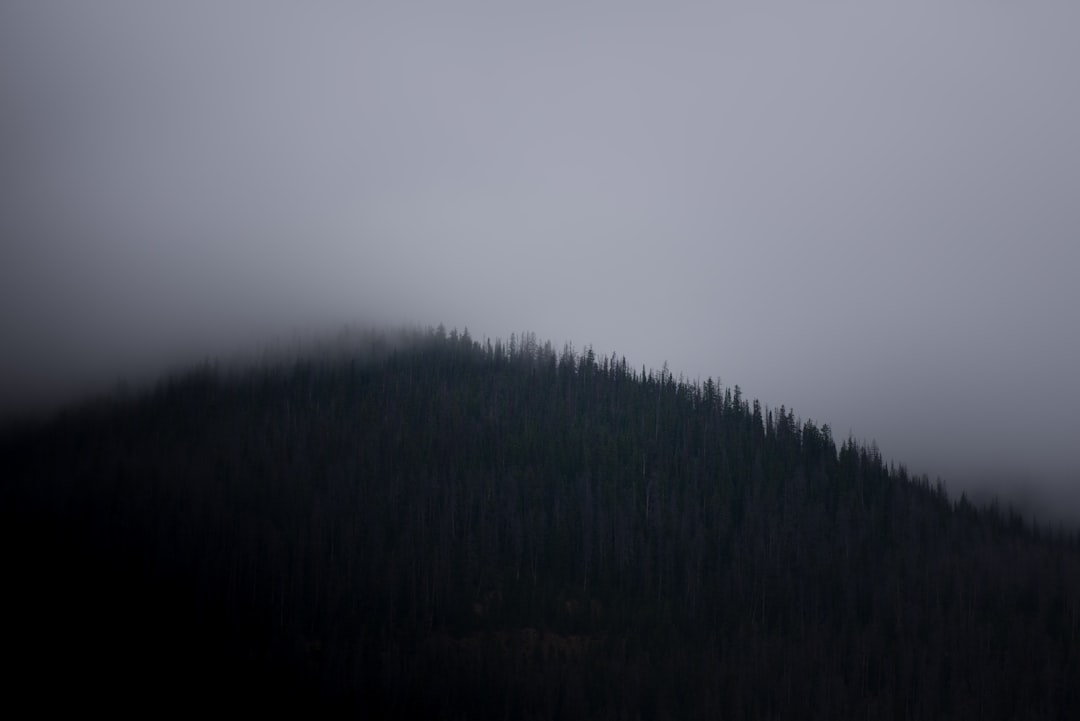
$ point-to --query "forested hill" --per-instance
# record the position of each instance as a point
(441, 528)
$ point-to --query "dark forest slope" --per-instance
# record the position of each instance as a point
(457, 530)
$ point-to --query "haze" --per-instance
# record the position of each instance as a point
(867, 211)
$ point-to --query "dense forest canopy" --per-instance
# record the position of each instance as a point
(425, 523)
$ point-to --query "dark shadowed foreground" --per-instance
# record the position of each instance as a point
(447, 529)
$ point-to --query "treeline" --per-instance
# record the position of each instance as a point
(437, 526)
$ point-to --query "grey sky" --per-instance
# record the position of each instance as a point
(869, 211)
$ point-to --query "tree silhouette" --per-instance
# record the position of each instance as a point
(425, 524)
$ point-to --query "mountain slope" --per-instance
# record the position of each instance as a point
(454, 529)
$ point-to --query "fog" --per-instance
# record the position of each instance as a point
(869, 212)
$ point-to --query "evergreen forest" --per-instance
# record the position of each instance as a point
(425, 525)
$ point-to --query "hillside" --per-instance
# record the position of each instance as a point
(448, 529)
